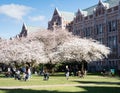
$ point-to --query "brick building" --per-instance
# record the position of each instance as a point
(100, 22)
(61, 19)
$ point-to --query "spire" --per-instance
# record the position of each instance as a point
(24, 26)
(24, 31)
(79, 11)
(100, 2)
(56, 11)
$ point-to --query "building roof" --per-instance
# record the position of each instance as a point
(28, 29)
(68, 16)
(33, 28)
(112, 3)
(109, 3)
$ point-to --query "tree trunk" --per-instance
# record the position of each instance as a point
(82, 68)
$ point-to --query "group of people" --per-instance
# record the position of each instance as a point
(76, 72)
(23, 73)
(111, 72)
(46, 75)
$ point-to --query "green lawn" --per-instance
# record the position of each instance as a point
(89, 84)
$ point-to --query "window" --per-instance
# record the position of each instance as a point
(91, 16)
(109, 10)
(86, 18)
(87, 31)
(99, 29)
(110, 63)
(100, 40)
(77, 32)
(115, 8)
(113, 64)
(109, 26)
(112, 41)
(112, 25)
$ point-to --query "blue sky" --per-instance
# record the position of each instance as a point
(34, 13)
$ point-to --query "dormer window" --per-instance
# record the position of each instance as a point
(86, 17)
(100, 9)
(79, 15)
(109, 10)
(115, 8)
(91, 16)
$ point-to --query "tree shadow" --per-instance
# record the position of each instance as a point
(87, 89)
(102, 89)
(97, 82)
(27, 91)
(97, 73)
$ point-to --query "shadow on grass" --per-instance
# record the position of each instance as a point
(100, 89)
(26, 91)
(97, 73)
(87, 89)
(97, 82)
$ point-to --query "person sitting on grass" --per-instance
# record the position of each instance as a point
(46, 75)
(112, 71)
(103, 72)
(17, 75)
(25, 76)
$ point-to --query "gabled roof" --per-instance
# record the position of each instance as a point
(28, 29)
(81, 12)
(56, 11)
(110, 3)
(33, 29)
(67, 16)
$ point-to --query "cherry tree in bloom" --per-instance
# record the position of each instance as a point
(60, 45)
(83, 50)
(50, 39)
(3, 44)
(51, 47)
(20, 50)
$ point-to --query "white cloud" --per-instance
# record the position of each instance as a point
(37, 18)
(14, 10)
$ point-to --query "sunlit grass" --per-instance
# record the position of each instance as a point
(58, 84)
(38, 80)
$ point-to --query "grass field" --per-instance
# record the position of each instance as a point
(59, 84)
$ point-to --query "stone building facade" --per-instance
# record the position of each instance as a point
(100, 22)
(60, 19)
